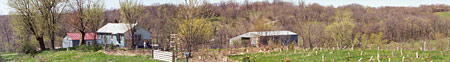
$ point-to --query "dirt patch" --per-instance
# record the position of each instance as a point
(222, 56)
(211, 56)
(128, 52)
(201, 55)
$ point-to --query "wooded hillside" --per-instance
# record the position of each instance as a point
(317, 25)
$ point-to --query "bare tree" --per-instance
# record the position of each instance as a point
(86, 16)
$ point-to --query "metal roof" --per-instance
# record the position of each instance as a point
(264, 33)
(77, 36)
(115, 28)
(267, 33)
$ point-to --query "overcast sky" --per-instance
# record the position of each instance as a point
(114, 4)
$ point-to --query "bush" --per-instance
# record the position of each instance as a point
(291, 46)
(83, 48)
(110, 47)
(287, 59)
(246, 58)
(28, 48)
(97, 47)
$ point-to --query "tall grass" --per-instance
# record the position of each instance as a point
(81, 56)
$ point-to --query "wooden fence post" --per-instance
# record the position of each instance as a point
(370, 59)
(173, 55)
(352, 48)
(417, 54)
(316, 52)
(403, 59)
(362, 52)
(392, 53)
(424, 46)
(360, 59)
(348, 54)
(378, 48)
(323, 58)
(401, 52)
(378, 60)
(378, 57)
(389, 59)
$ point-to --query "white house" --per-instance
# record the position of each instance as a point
(120, 34)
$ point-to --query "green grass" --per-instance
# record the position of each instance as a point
(79, 56)
(341, 56)
(8, 56)
(443, 14)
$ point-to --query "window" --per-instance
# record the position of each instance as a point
(99, 36)
(137, 37)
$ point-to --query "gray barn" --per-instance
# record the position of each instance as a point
(261, 39)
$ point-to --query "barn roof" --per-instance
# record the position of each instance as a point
(115, 28)
(77, 36)
(264, 33)
(267, 33)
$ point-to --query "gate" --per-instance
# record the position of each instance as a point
(162, 55)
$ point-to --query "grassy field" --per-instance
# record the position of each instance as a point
(444, 14)
(8, 56)
(77, 56)
(342, 56)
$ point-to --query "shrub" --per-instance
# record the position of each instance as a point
(287, 59)
(438, 35)
(291, 46)
(28, 48)
(246, 58)
(1, 58)
(89, 48)
(110, 47)
(97, 47)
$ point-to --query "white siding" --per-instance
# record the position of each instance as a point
(67, 42)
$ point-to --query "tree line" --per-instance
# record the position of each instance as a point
(43, 23)
(211, 25)
(345, 26)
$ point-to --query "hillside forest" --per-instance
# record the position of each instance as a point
(43, 25)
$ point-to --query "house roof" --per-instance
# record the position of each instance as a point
(267, 33)
(115, 28)
(77, 36)
(264, 33)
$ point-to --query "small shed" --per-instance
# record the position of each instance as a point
(73, 39)
(120, 34)
(262, 38)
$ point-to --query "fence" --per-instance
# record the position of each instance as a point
(163, 55)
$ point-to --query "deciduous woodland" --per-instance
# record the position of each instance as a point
(345, 26)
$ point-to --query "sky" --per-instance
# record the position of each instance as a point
(114, 4)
